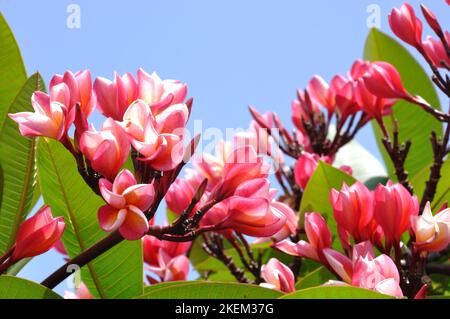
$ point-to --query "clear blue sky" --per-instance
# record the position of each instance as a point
(231, 53)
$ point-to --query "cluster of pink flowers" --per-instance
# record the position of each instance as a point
(366, 219)
(238, 175)
(165, 259)
(228, 193)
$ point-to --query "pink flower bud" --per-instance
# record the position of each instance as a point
(436, 52)
(304, 168)
(406, 25)
(114, 97)
(325, 94)
(353, 210)
(393, 208)
(432, 233)
(302, 109)
(38, 234)
(127, 202)
(49, 118)
(78, 90)
(277, 276)
(289, 228)
(383, 80)
(179, 196)
(107, 149)
(431, 19)
(319, 237)
(374, 106)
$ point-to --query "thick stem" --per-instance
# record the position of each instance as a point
(82, 259)
(443, 269)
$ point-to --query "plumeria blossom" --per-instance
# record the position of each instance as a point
(242, 165)
(393, 209)
(365, 270)
(249, 211)
(48, 119)
(107, 149)
(277, 276)
(126, 203)
(165, 259)
(432, 233)
(114, 97)
(211, 166)
(73, 89)
(319, 238)
(152, 136)
(157, 93)
(326, 94)
(38, 234)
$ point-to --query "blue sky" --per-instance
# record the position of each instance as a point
(231, 53)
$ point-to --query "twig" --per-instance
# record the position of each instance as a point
(215, 248)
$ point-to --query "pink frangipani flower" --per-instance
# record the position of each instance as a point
(127, 202)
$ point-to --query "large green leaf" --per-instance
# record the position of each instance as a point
(18, 288)
(315, 278)
(316, 197)
(17, 159)
(335, 292)
(152, 288)
(442, 194)
(212, 290)
(414, 123)
(118, 273)
(12, 69)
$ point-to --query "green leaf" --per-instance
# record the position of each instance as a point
(414, 123)
(18, 288)
(118, 273)
(335, 292)
(374, 181)
(12, 69)
(17, 159)
(18, 266)
(315, 278)
(152, 288)
(316, 197)
(212, 290)
(442, 194)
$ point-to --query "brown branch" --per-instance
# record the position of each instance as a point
(439, 151)
(443, 269)
(397, 153)
(214, 247)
